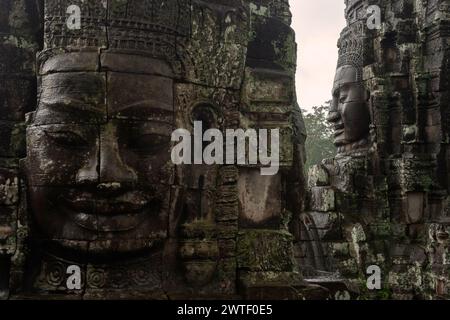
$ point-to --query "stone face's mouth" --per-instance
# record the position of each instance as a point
(339, 132)
(115, 223)
(339, 125)
(339, 137)
(120, 214)
(105, 206)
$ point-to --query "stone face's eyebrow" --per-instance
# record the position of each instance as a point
(62, 111)
(147, 105)
(341, 85)
(68, 62)
(71, 105)
(117, 62)
(335, 91)
(77, 89)
(124, 89)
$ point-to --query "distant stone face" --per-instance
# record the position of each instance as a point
(349, 111)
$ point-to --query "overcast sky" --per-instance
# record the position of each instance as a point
(317, 24)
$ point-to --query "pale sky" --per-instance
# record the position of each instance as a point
(317, 24)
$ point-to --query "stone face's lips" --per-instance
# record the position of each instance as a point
(339, 126)
(105, 206)
(123, 213)
(337, 133)
(339, 138)
(116, 223)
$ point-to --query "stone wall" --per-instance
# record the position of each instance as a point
(20, 33)
(387, 204)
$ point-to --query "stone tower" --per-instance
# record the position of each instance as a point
(384, 199)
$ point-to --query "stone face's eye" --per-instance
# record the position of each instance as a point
(149, 144)
(67, 139)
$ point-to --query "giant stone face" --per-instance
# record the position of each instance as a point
(98, 156)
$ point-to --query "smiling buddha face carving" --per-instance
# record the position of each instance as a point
(98, 154)
(98, 166)
(100, 189)
(349, 112)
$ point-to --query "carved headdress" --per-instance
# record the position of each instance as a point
(149, 27)
(351, 48)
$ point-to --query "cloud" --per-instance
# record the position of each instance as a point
(317, 24)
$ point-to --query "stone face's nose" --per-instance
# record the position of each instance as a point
(333, 116)
(105, 165)
(333, 113)
(112, 168)
(89, 173)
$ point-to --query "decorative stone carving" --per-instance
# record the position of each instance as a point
(349, 111)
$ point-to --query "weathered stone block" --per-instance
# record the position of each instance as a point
(380, 230)
(318, 176)
(415, 206)
(339, 249)
(323, 199)
(348, 268)
(9, 187)
(265, 250)
(263, 87)
(270, 285)
(259, 198)
(325, 226)
(275, 44)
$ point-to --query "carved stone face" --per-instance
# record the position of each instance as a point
(349, 111)
(98, 154)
